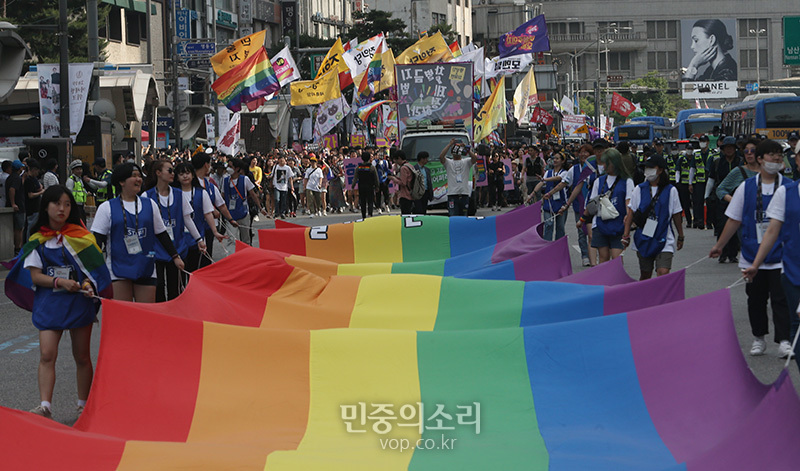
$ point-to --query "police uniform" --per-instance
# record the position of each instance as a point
(683, 171)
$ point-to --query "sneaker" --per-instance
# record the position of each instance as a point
(43, 411)
(586, 262)
(785, 349)
(79, 410)
(759, 347)
(380, 211)
(283, 216)
(324, 213)
(733, 260)
(311, 215)
(722, 259)
(294, 214)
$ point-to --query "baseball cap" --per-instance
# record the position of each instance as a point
(658, 142)
(703, 138)
(793, 135)
(100, 162)
(600, 142)
(17, 164)
(655, 160)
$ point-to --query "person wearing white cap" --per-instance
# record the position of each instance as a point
(75, 186)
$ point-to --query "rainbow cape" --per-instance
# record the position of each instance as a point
(248, 81)
(80, 244)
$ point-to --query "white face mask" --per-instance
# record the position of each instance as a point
(229, 170)
(703, 145)
(651, 174)
(773, 167)
(601, 168)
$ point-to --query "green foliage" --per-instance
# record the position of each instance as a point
(587, 105)
(43, 43)
(375, 22)
(446, 30)
(656, 100)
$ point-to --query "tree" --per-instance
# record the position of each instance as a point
(587, 105)
(446, 30)
(654, 97)
(375, 22)
(43, 43)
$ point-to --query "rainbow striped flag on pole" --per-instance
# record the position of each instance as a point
(252, 79)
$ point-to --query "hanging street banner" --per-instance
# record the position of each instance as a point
(528, 38)
(434, 94)
(50, 96)
(572, 124)
(710, 66)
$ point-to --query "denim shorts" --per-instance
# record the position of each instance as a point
(601, 240)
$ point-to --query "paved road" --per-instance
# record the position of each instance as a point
(19, 339)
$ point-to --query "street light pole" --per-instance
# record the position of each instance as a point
(758, 32)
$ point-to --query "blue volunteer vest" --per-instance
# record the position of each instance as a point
(748, 232)
(616, 226)
(61, 310)
(173, 217)
(198, 217)
(652, 246)
(580, 203)
(237, 194)
(551, 204)
(123, 264)
(790, 232)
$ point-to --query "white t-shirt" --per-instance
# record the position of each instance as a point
(3, 178)
(777, 207)
(34, 260)
(218, 199)
(280, 177)
(102, 224)
(629, 186)
(208, 207)
(735, 210)
(674, 208)
(458, 176)
(314, 177)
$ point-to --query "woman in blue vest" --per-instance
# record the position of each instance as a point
(555, 197)
(607, 234)
(62, 299)
(659, 202)
(202, 213)
(235, 189)
(131, 227)
(176, 212)
(747, 213)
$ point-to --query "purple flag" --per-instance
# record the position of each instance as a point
(530, 37)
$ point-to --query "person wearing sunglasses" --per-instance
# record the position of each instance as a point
(176, 212)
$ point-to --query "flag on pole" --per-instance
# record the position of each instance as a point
(525, 96)
(250, 80)
(455, 49)
(366, 110)
(621, 105)
(314, 92)
(237, 52)
(367, 86)
(493, 112)
(357, 59)
(529, 37)
(387, 70)
(335, 60)
(426, 50)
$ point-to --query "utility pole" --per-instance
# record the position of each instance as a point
(176, 114)
(63, 68)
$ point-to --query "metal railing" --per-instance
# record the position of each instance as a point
(586, 37)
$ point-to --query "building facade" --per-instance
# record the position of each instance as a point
(422, 15)
(637, 37)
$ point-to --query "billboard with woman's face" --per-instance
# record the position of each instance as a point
(708, 58)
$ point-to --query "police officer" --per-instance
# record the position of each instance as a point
(790, 169)
(75, 186)
(103, 175)
(684, 164)
(702, 158)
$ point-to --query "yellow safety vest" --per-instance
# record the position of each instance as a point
(78, 191)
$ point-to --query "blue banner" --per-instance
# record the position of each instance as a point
(530, 37)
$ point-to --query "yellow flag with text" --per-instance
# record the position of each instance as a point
(428, 49)
(387, 72)
(492, 113)
(314, 92)
(335, 60)
(237, 52)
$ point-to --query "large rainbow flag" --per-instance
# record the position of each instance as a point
(664, 388)
(260, 288)
(252, 79)
(411, 238)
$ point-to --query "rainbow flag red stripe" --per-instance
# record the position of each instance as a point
(252, 79)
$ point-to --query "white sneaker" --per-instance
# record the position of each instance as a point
(759, 346)
(324, 213)
(785, 349)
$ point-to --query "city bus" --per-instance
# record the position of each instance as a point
(642, 132)
(699, 123)
(658, 120)
(767, 114)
